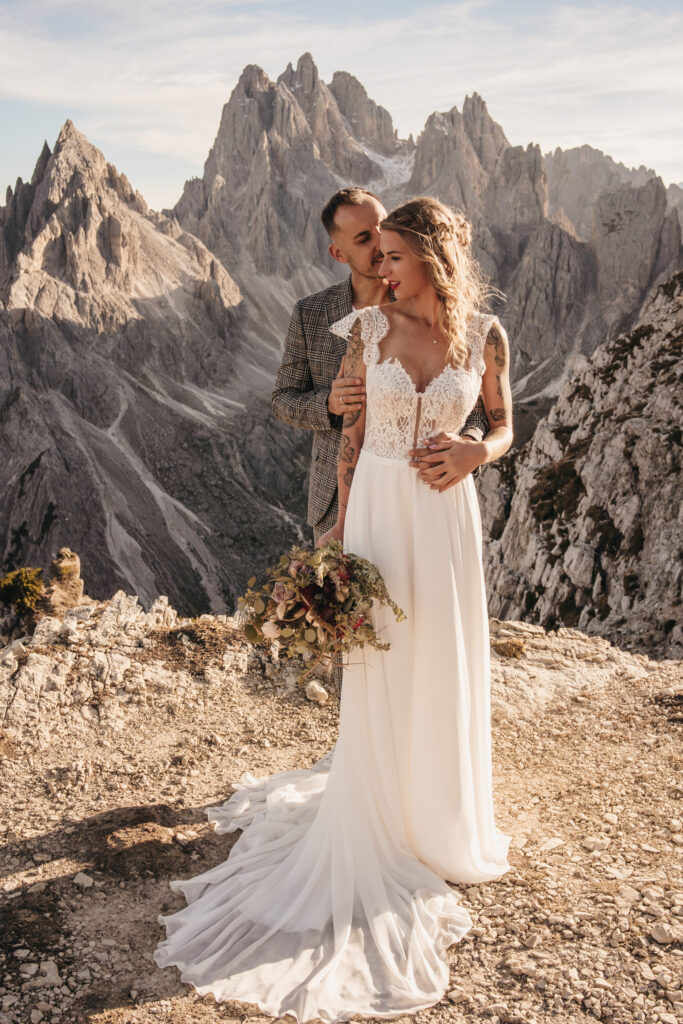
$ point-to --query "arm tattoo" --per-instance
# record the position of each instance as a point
(499, 386)
(495, 339)
(348, 452)
(354, 349)
(497, 414)
(352, 417)
(348, 475)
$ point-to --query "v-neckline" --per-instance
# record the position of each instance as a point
(395, 361)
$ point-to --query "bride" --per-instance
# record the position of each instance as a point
(335, 899)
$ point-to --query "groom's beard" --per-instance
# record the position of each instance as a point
(370, 274)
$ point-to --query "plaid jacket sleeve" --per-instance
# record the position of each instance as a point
(295, 400)
(477, 424)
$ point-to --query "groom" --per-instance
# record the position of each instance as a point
(311, 390)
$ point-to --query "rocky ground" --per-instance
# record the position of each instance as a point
(119, 728)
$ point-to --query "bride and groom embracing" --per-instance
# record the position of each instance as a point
(335, 899)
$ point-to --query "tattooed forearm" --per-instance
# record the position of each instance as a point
(354, 349)
(348, 451)
(354, 421)
(497, 415)
(352, 417)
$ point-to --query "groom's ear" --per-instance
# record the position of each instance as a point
(336, 253)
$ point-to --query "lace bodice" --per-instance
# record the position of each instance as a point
(398, 417)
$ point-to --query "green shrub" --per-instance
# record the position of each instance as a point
(22, 588)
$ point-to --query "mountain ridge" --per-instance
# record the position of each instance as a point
(128, 334)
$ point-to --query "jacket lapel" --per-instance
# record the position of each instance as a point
(340, 301)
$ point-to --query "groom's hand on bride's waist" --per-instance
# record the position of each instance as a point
(346, 393)
(446, 459)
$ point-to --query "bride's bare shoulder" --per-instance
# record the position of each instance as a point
(396, 313)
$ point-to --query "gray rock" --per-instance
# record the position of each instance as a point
(583, 523)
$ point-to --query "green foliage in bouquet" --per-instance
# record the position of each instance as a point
(316, 605)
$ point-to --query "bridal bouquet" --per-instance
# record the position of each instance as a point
(315, 605)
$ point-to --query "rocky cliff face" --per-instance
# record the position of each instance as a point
(578, 176)
(585, 522)
(125, 421)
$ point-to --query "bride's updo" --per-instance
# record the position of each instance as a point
(441, 238)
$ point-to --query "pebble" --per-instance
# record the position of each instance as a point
(458, 995)
(663, 933)
(595, 842)
(83, 880)
(316, 692)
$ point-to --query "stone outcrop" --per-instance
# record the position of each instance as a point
(584, 522)
(64, 589)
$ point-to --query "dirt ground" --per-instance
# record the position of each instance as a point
(120, 728)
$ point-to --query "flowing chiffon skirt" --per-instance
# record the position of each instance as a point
(333, 901)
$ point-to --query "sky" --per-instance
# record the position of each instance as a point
(145, 80)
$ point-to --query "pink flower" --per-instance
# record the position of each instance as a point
(281, 592)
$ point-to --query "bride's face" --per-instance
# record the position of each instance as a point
(406, 274)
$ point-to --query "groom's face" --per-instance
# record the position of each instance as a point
(355, 237)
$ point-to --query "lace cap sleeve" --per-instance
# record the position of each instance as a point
(373, 327)
(478, 334)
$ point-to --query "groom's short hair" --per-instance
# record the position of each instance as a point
(352, 196)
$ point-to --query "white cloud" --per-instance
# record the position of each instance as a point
(154, 75)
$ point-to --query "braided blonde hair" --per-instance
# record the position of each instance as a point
(441, 238)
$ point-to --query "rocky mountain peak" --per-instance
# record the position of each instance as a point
(629, 244)
(305, 78)
(368, 121)
(252, 80)
(577, 176)
(336, 146)
(78, 241)
(41, 164)
(446, 163)
(486, 136)
(278, 145)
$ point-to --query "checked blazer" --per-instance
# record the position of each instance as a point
(310, 362)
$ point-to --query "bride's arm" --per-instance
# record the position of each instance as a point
(495, 389)
(353, 433)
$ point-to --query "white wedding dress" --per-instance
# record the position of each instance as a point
(333, 901)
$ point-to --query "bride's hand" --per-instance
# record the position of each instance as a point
(446, 459)
(336, 533)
